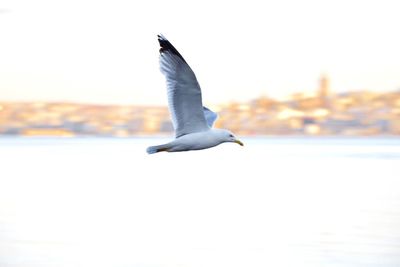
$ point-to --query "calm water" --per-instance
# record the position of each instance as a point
(274, 202)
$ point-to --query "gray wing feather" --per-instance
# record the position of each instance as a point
(211, 116)
(184, 93)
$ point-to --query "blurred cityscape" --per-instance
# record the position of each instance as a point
(320, 113)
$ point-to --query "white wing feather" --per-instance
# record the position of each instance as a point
(184, 93)
(211, 116)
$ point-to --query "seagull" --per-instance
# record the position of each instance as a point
(193, 123)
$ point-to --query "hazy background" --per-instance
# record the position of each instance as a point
(107, 52)
(87, 69)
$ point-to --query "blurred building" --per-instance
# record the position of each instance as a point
(324, 91)
(321, 113)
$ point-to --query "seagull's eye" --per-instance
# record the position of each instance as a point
(230, 135)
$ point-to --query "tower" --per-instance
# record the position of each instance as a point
(324, 91)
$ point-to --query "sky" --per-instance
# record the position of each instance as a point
(107, 51)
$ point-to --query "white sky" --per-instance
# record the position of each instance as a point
(107, 51)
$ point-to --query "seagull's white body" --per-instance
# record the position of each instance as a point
(194, 141)
(191, 120)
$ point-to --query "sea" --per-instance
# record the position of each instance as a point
(276, 201)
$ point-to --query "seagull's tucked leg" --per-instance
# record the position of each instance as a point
(156, 149)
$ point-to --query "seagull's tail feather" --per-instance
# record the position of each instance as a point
(156, 149)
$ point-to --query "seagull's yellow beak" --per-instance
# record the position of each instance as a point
(238, 142)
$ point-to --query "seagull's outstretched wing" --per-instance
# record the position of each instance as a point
(211, 116)
(184, 93)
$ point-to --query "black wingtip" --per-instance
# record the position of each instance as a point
(165, 45)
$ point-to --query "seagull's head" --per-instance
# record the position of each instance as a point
(227, 136)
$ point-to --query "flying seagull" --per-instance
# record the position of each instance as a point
(191, 120)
